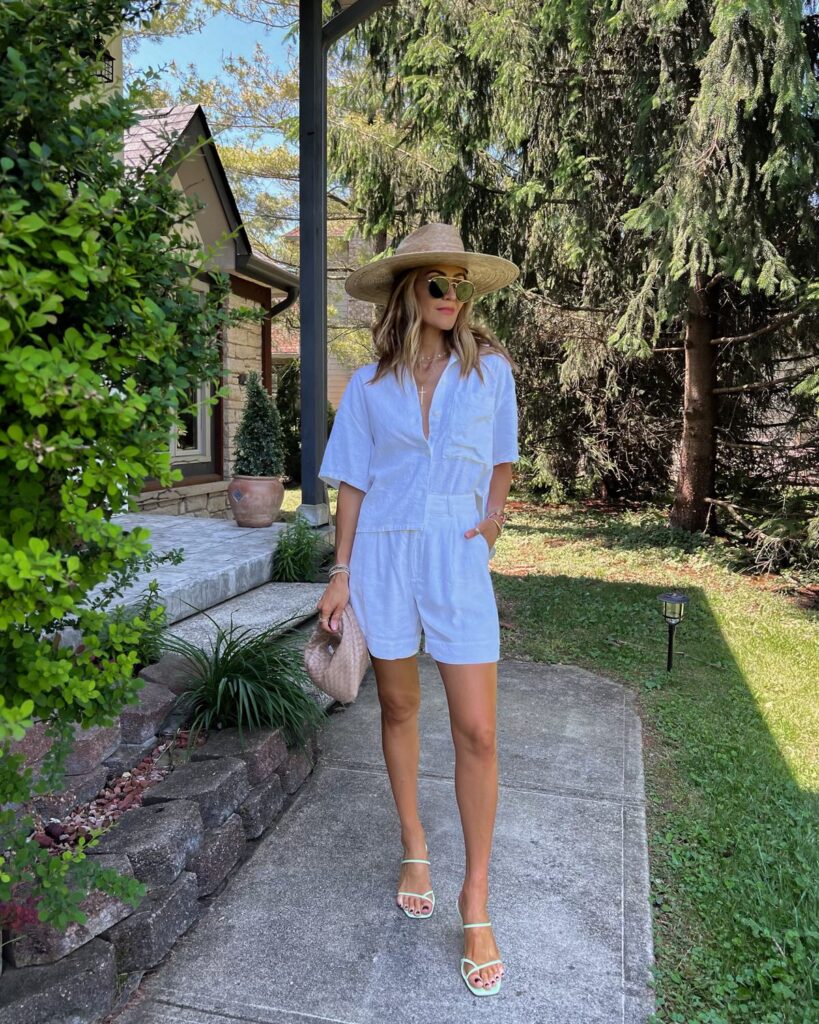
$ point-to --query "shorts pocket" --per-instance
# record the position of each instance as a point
(471, 550)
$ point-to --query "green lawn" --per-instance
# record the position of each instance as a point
(730, 743)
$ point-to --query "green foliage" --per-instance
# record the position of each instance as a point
(300, 553)
(259, 436)
(154, 622)
(67, 878)
(102, 336)
(288, 403)
(626, 157)
(248, 680)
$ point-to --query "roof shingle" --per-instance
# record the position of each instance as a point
(150, 140)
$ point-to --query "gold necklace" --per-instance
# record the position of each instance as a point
(431, 359)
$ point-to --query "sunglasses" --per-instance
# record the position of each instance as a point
(439, 286)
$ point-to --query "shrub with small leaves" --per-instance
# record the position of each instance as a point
(102, 339)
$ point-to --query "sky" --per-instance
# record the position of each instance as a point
(221, 37)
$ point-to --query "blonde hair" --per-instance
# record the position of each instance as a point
(397, 333)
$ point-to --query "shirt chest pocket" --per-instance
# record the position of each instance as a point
(470, 426)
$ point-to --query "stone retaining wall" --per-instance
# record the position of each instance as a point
(192, 829)
(208, 501)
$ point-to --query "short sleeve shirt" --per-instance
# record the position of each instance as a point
(377, 441)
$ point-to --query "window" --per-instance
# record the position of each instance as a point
(195, 446)
(192, 441)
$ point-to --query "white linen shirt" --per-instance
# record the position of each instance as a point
(377, 441)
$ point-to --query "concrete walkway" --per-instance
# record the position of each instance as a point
(307, 930)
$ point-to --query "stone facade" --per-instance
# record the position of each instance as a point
(209, 501)
(243, 353)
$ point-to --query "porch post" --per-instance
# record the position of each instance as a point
(313, 259)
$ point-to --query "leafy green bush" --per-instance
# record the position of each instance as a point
(102, 336)
(300, 553)
(249, 680)
(154, 623)
(259, 436)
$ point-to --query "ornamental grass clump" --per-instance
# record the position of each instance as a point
(300, 553)
(250, 680)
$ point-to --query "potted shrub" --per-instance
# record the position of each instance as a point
(256, 492)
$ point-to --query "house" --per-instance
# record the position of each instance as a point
(204, 451)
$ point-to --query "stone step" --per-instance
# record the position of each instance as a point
(221, 561)
(288, 604)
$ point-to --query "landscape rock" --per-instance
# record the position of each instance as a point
(127, 755)
(294, 770)
(219, 851)
(33, 746)
(78, 789)
(142, 939)
(158, 839)
(172, 671)
(91, 747)
(42, 943)
(218, 787)
(263, 806)
(140, 721)
(79, 989)
(262, 750)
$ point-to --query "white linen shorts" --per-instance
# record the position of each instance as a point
(433, 579)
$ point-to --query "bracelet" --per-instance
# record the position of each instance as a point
(339, 567)
(499, 519)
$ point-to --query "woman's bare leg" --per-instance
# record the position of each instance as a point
(471, 692)
(399, 693)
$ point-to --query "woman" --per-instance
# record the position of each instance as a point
(423, 471)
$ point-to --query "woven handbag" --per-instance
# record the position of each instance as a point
(336, 661)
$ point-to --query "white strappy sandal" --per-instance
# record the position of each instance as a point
(485, 990)
(429, 894)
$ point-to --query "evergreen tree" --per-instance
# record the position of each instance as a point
(650, 165)
(259, 436)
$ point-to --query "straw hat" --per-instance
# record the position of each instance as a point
(429, 245)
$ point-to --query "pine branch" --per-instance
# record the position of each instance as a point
(757, 386)
(767, 329)
(769, 444)
(753, 531)
(559, 305)
(794, 421)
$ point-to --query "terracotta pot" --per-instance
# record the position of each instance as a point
(255, 500)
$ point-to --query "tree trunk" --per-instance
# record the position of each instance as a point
(695, 482)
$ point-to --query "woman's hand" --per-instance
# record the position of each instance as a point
(479, 529)
(333, 602)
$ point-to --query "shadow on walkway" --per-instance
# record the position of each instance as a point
(308, 928)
